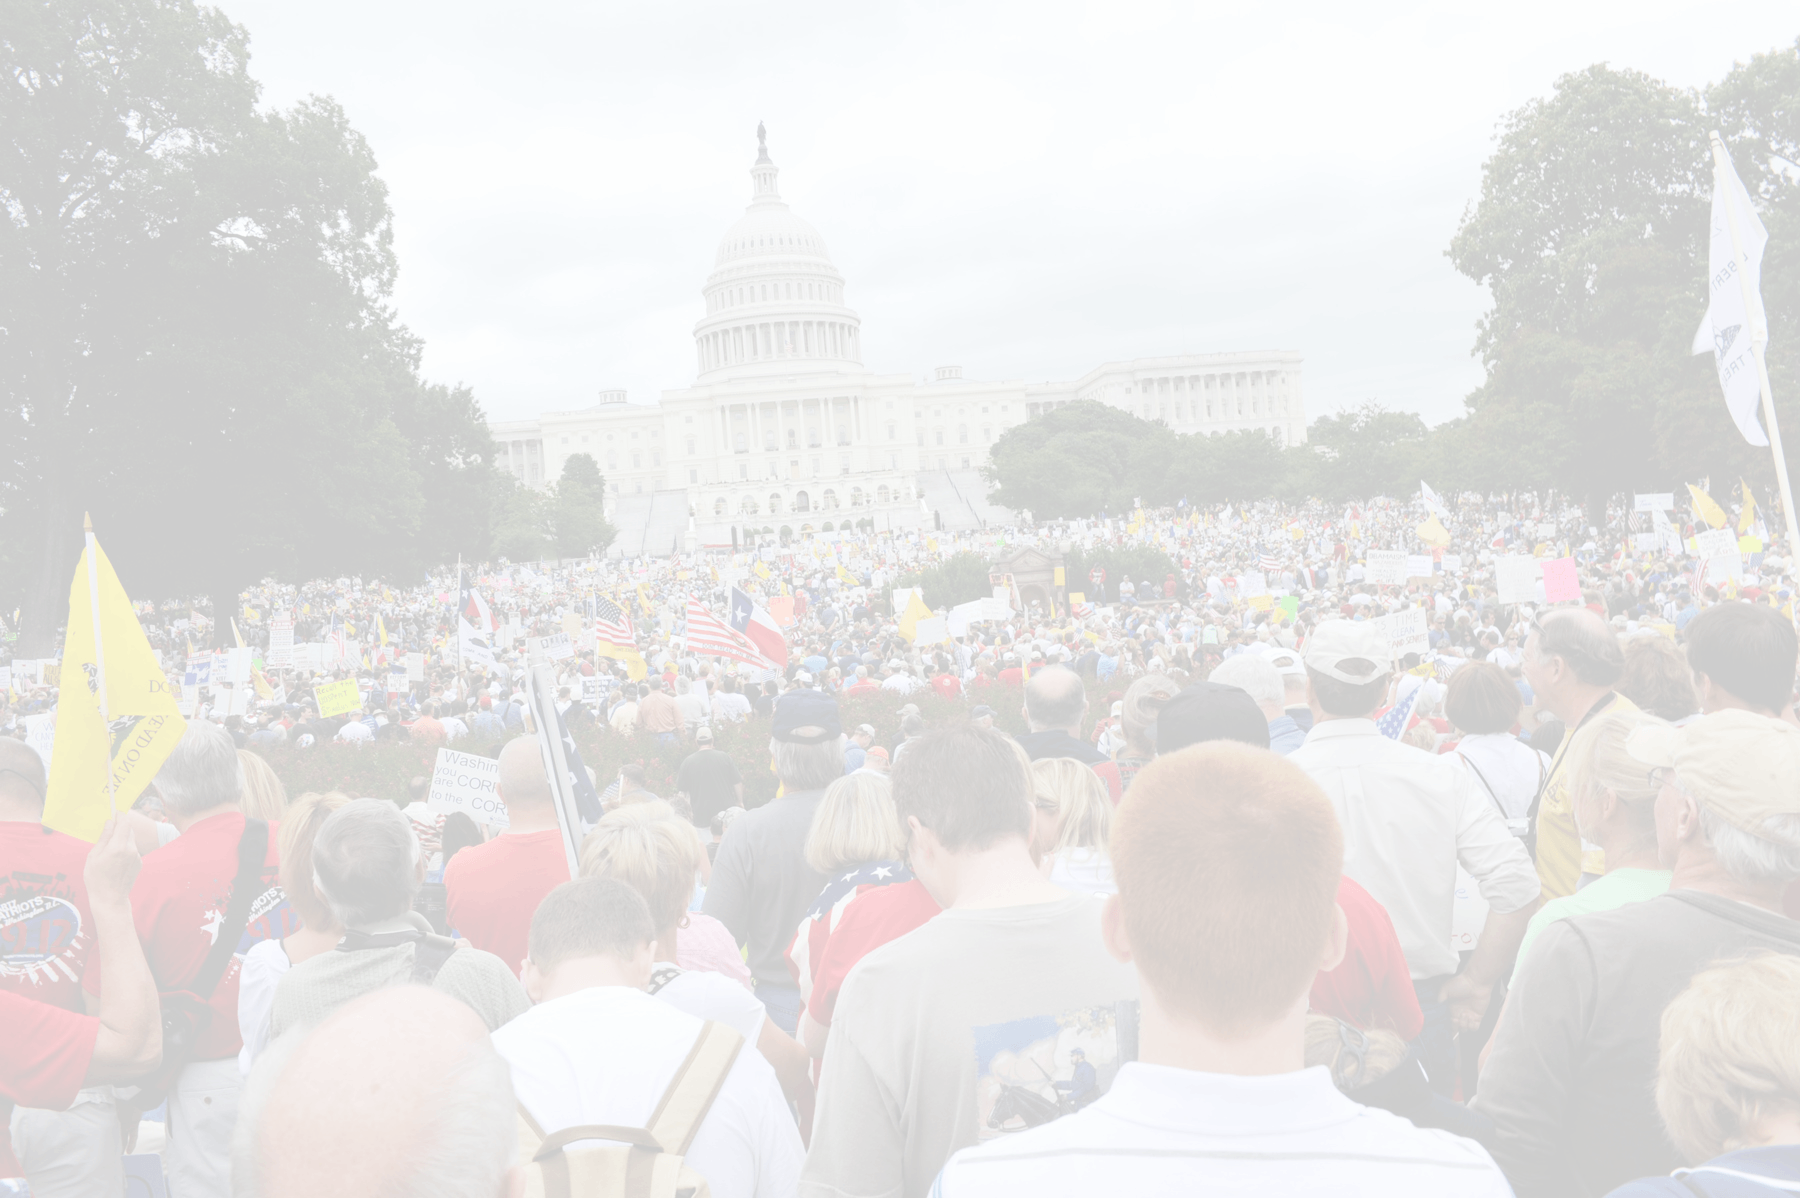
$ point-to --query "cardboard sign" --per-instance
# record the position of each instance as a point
(469, 784)
(415, 667)
(1385, 567)
(1516, 578)
(554, 647)
(337, 698)
(1404, 631)
(1664, 502)
(1561, 583)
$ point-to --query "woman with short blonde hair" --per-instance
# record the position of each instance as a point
(1728, 1082)
(855, 823)
(1071, 821)
(653, 850)
(263, 796)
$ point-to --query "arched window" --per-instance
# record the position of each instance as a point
(882, 495)
(719, 506)
(775, 504)
(802, 502)
(829, 499)
(748, 507)
(856, 496)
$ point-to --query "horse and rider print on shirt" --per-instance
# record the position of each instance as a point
(1030, 1071)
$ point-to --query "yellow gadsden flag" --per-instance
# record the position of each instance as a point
(1433, 532)
(1707, 508)
(1747, 518)
(915, 611)
(144, 721)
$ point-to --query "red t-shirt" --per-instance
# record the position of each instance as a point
(1371, 987)
(1012, 676)
(875, 917)
(864, 686)
(45, 1052)
(46, 928)
(178, 903)
(946, 685)
(492, 890)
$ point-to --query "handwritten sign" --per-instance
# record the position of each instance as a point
(469, 784)
(1561, 584)
(337, 698)
(1516, 578)
(415, 667)
(1405, 631)
(1386, 567)
(1418, 565)
(555, 647)
(1663, 502)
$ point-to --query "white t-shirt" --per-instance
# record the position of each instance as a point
(260, 973)
(707, 995)
(355, 730)
(1085, 871)
(606, 1054)
(732, 706)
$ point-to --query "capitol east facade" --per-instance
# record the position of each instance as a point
(784, 432)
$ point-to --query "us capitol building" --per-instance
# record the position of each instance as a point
(784, 431)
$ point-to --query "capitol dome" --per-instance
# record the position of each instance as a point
(774, 301)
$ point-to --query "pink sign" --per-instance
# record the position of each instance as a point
(1560, 582)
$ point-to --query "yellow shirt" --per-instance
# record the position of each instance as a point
(1559, 853)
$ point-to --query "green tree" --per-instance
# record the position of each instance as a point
(584, 470)
(520, 521)
(1367, 451)
(959, 578)
(1081, 459)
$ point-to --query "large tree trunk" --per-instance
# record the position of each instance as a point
(45, 603)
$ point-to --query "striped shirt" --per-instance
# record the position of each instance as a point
(1162, 1130)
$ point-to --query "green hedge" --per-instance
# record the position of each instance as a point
(383, 769)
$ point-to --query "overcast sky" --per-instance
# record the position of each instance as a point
(1026, 190)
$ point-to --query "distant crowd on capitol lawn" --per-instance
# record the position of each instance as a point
(1198, 891)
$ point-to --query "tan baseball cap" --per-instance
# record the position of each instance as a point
(1340, 648)
(1744, 767)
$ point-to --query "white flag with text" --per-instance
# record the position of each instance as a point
(1729, 329)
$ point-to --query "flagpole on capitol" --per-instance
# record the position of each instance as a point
(1758, 339)
(93, 575)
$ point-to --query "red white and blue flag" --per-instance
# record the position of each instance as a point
(709, 636)
(822, 917)
(749, 618)
(474, 624)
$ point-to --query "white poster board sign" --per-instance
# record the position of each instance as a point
(1452, 563)
(469, 784)
(237, 669)
(1516, 578)
(415, 667)
(554, 647)
(1664, 502)
(1252, 583)
(933, 630)
(1386, 567)
(1405, 631)
(280, 655)
(1418, 565)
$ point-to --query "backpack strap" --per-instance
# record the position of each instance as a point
(694, 1087)
(252, 850)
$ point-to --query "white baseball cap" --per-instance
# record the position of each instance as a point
(1350, 651)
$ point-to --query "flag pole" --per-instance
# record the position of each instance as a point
(93, 573)
(1758, 338)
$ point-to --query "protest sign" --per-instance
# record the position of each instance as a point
(5, 679)
(1404, 631)
(237, 667)
(554, 647)
(40, 734)
(571, 625)
(280, 655)
(590, 690)
(396, 683)
(469, 784)
(1386, 567)
(932, 630)
(1561, 584)
(415, 667)
(1516, 578)
(1262, 602)
(1452, 563)
(1718, 549)
(1645, 542)
(1252, 583)
(1662, 502)
(958, 619)
(337, 698)
(1418, 565)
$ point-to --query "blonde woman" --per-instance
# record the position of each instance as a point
(652, 850)
(1728, 1082)
(1072, 817)
(268, 960)
(264, 796)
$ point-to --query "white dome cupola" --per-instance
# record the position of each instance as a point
(774, 301)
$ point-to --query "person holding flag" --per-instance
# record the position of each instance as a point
(615, 639)
(749, 618)
(474, 623)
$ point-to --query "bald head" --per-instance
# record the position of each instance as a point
(523, 782)
(1055, 698)
(22, 781)
(1585, 642)
(399, 1093)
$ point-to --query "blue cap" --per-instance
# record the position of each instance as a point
(806, 717)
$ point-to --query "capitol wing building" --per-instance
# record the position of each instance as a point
(784, 432)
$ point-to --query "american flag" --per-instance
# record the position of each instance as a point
(1270, 563)
(612, 624)
(1394, 723)
(709, 635)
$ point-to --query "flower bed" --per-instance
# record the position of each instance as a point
(386, 767)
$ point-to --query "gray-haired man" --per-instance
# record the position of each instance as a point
(367, 865)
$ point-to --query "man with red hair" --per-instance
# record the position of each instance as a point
(1227, 859)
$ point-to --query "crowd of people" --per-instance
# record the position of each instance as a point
(1264, 895)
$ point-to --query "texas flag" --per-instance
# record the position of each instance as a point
(759, 626)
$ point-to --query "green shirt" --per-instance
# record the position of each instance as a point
(1610, 891)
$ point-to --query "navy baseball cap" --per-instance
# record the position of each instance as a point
(1210, 711)
(806, 717)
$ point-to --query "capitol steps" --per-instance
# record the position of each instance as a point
(653, 524)
(960, 497)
